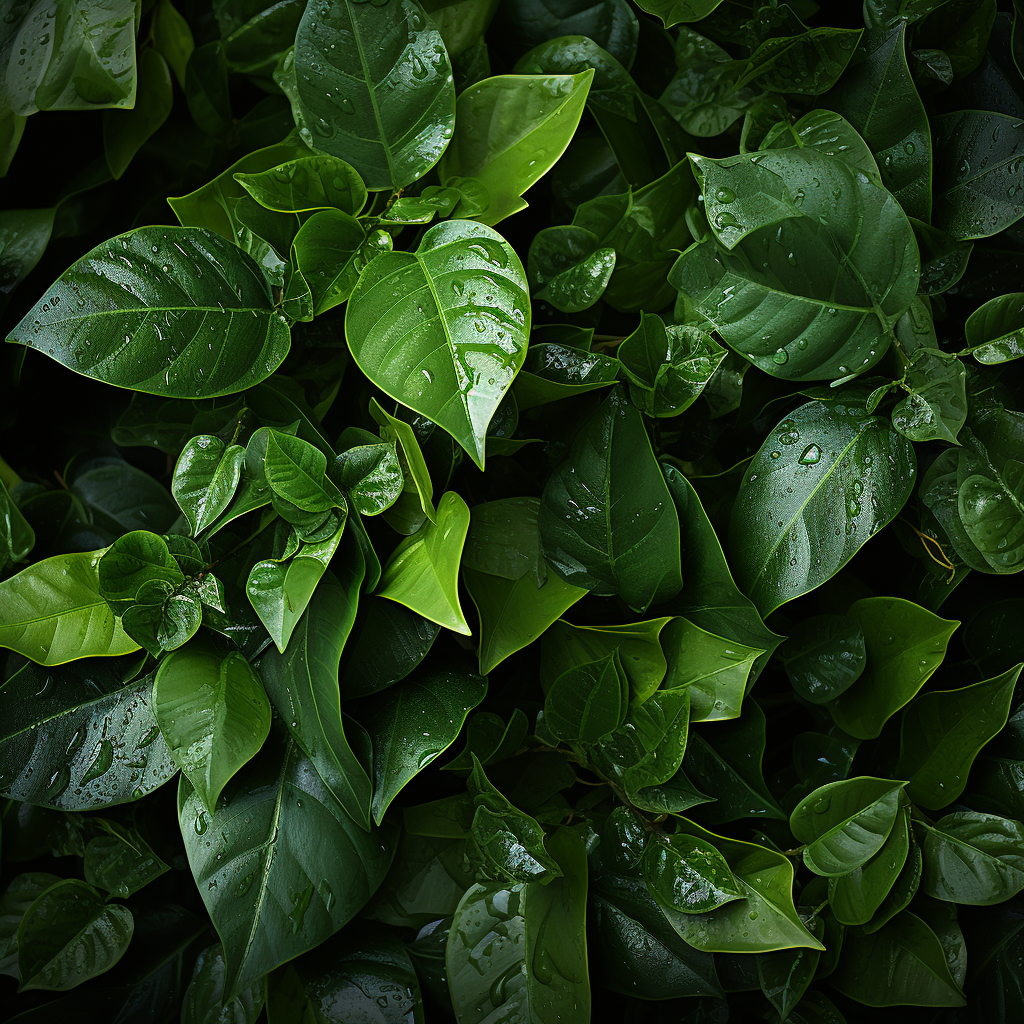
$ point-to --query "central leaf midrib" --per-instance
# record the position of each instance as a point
(371, 91)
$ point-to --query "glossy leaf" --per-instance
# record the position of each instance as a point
(825, 480)
(205, 1002)
(905, 645)
(825, 658)
(307, 183)
(289, 877)
(529, 934)
(935, 407)
(509, 131)
(428, 713)
(844, 824)
(121, 861)
(588, 701)
(606, 518)
(943, 731)
(213, 713)
(328, 251)
(995, 331)
(69, 935)
(205, 479)
(833, 286)
(74, 763)
(461, 306)
(382, 99)
(371, 477)
(422, 573)
(126, 131)
(973, 858)
(688, 875)
(121, 291)
(901, 963)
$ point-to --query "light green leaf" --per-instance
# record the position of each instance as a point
(53, 612)
(213, 713)
(205, 479)
(509, 132)
(688, 875)
(423, 571)
(307, 183)
(995, 330)
(444, 330)
(568, 269)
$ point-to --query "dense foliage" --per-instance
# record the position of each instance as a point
(535, 540)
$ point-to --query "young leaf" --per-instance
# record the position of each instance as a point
(205, 479)
(307, 183)
(995, 330)
(588, 701)
(422, 573)
(462, 303)
(688, 875)
(139, 312)
(213, 713)
(509, 132)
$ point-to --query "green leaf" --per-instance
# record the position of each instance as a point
(205, 479)
(85, 61)
(510, 842)
(427, 713)
(172, 38)
(942, 733)
(382, 98)
(568, 269)
(307, 183)
(422, 573)
(509, 132)
(903, 963)
(121, 861)
(825, 657)
(668, 366)
(713, 670)
(688, 875)
(297, 472)
(824, 482)
(725, 761)
(126, 131)
(139, 312)
(329, 250)
(69, 935)
(371, 477)
(806, 64)
(461, 304)
(829, 133)
(204, 1001)
(784, 977)
(856, 896)
(905, 645)
(19, 895)
(514, 613)
(132, 561)
(973, 858)
(765, 878)
(387, 643)
(832, 290)
(978, 181)
(606, 518)
(711, 599)
(672, 12)
(587, 701)
(53, 612)
(410, 457)
(530, 936)
(367, 975)
(74, 763)
(287, 878)
(302, 684)
(879, 97)
(995, 330)
(844, 824)
(935, 407)
(213, 713)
